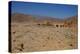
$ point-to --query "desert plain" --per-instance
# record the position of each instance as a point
(32, 34)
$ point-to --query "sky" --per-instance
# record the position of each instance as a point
(44, 9)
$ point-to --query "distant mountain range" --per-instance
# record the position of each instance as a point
(17, 17)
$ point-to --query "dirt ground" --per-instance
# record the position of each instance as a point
(32, 38)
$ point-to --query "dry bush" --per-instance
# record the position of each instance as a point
(48, 24)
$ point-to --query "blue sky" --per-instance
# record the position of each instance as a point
(44, 9)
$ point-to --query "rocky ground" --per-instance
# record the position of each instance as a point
(30, 38)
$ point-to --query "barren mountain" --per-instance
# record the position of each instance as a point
(21, 18)
(17, 17)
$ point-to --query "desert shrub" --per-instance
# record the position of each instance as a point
(48, 24)
(57, 25)
(14, 32)
(61, 25)
(38, 24)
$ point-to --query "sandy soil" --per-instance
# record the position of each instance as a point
(30, 38)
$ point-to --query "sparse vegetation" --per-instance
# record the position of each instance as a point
(34, 36)
(48, 24)
(45, 24)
